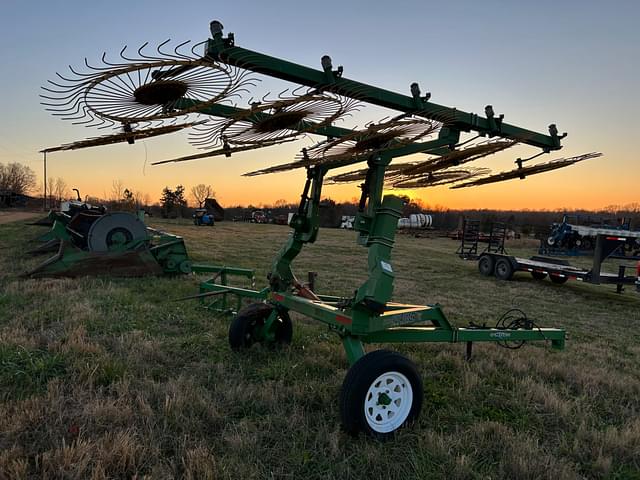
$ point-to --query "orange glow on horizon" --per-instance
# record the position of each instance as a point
(589, 185)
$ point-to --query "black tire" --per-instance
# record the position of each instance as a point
(243, 331)
(367, 374)
(558, 279)
(504, 269)
(486, 265)
(586, 244)
(538, 275)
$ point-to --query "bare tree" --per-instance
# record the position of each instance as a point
(117, 190)
(17, 178)
(60, 189)
(201, 192)
(633, 207)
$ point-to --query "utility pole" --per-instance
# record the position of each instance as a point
(44, 200)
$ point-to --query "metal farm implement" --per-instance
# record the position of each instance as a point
(572, 239)
(115, 244)
(382, 390)
(87, 240)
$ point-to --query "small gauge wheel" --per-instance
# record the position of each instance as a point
(247, 326)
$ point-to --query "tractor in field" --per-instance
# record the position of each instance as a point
(202, 217)
(258, 216)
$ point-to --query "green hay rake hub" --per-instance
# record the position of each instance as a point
(382, 390)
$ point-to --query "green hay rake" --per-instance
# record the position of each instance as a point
(382, 390)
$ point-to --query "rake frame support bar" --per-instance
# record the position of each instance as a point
(224, 50)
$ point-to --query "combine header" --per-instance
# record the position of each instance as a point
(383, 389)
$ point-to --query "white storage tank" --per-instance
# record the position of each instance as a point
(416, 220)
(403, 223)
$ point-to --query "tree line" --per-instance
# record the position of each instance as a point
(20, 179)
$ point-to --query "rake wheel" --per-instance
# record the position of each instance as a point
(360, 144)
(274, 121)
(459, 157)
(143, 89)
(522, 172)
(126, 136)
(376, 137)
(442, 177)
(395, 177)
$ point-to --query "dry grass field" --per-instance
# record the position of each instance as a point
(112, 378)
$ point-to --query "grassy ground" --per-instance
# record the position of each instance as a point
(110, 378)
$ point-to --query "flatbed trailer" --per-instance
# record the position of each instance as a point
(504, 266)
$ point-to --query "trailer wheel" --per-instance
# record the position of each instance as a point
(246, 327)
(538, 275)
(381, 393)
(486, 265)
(587, 243)
(504, 269)
(557, 279)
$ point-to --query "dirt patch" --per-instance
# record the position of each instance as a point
(7, 216)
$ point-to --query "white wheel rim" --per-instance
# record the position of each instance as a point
(388, 402)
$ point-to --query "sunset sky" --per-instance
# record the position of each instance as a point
(573, 63)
